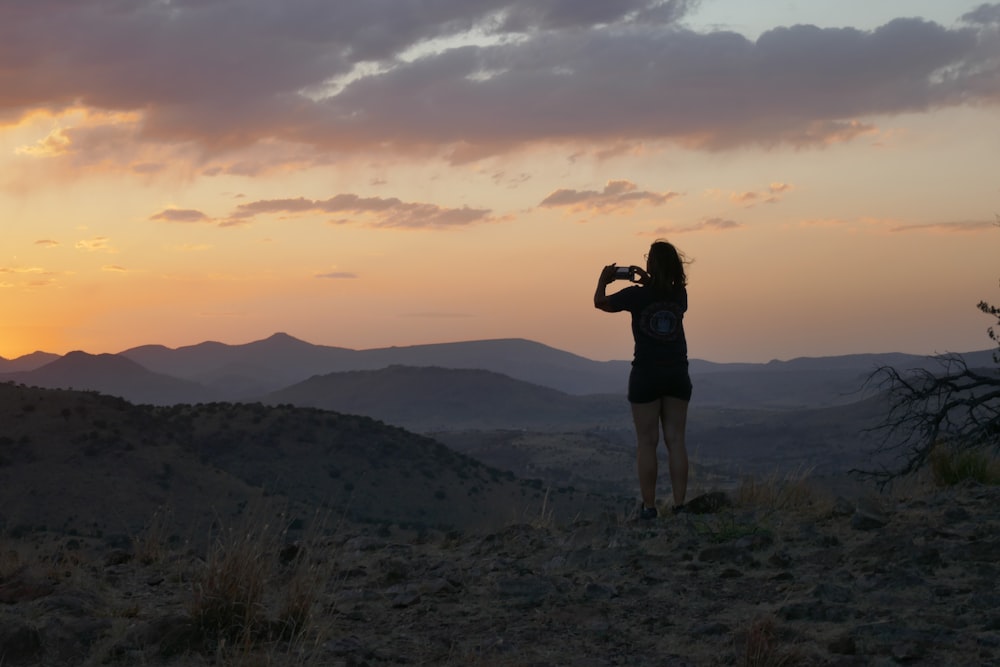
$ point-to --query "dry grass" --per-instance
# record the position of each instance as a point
(228, 602)
(760, 646)
(153, 544)
(10, 561)
(950, 466)
(256, 596)
(789, 491)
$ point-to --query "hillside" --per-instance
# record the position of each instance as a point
(83, 462)
(27, 362)
(113, 375)
(440, 399)
(770, 575)
(588, 439)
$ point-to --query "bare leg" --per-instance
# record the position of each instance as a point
(647, 433)
(673, 416)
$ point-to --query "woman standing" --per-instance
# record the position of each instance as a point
(659, 385)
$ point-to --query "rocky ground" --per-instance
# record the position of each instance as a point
(762, 577)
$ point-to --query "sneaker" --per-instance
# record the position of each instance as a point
(647, 513)
(679, 509)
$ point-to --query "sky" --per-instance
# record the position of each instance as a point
(371, 173)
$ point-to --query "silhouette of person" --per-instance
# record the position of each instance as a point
(659, 386)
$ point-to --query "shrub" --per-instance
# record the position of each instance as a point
(228, 600)
(950, 466)
(250, 571)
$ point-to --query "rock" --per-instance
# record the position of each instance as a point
(24, 587)
(70, 640)
(708, 503)
(780, 559)
(71, 603)
(527, 590)
(117, 557)
(710, 629)
(726, 553)
(866, 521)
(20, 644)
(843, 644)
(814, 611)
(842, 507)
(171, 636)
(868, 515)
(595, 591)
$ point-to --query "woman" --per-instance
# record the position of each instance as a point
(659, 386)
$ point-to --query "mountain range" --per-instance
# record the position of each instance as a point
(216, 371)
(394, 434)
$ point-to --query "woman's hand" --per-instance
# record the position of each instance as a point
(643, 277)
(607, 277)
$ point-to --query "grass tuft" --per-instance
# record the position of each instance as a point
(229, 597)
(759, 646)
(257, 593)
(790, 491)
(950, 466)
(152, 544)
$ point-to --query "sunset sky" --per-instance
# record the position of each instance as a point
(367, 173)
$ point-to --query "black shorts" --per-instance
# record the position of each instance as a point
(648, 383)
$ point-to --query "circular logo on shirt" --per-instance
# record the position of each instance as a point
(661, 321)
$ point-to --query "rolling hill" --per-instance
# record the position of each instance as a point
(242, 371)
(438, 399)
(83, 462)
(27, 362)
(113, 375)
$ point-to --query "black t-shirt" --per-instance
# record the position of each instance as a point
(657, 323)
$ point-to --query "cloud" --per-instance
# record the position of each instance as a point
(54, 143)
(770, 195)
(180, 215)
(148, 168)
(744, 197)
(96, 244)
(958, 226)
(22, 269)
(47, 243)
(707, 225)
(436, 315)
(337, 275)
(46, 278)
(984, 14)
(209, 81)
(373, 211)
(114, 268)
(616, 195)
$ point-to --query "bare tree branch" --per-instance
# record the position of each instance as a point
(957, 406)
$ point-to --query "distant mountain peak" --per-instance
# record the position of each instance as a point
(282, 337)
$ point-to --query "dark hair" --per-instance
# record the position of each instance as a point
(666, 266)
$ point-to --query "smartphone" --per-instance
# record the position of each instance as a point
(624, 273)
